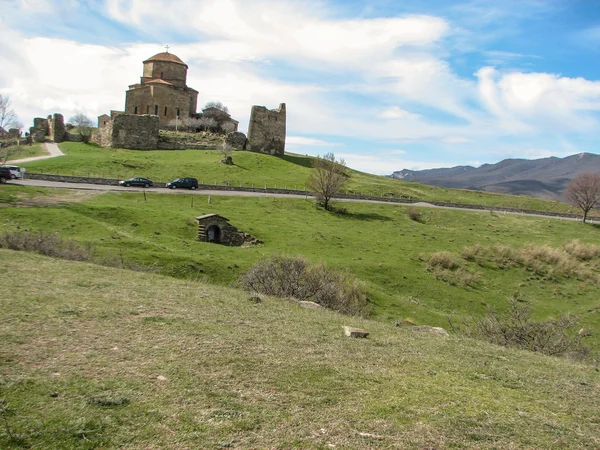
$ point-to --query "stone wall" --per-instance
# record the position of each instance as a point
(186, 143)
(56, 128)
(228, 234)
(266, 131)
(235, 141)
(39, 130)
(129, 131)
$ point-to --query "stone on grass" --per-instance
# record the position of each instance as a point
(355, 332)
(428, 329)
(309, 305)
(255, 299)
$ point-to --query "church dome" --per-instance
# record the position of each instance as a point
(166, 56)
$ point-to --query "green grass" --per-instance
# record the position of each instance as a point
(25, 151)
(94, 357)
(255, 170)
(379, 244)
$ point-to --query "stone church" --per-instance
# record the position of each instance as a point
(162, 90)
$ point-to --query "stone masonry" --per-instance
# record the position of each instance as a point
(130, 131)
(217, 229)
(266, 131)
(56, 128)
(39, 130)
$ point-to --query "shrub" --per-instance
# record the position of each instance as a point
(294, 277)
(581, 252)
(473, 253)
(46, 244)
(515, 328)
(414, 214)
(442, 260)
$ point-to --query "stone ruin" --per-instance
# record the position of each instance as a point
(266, 131)
(217, 229)
(131, 131)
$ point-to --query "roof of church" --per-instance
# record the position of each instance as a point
(166, 56)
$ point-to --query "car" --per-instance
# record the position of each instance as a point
(5, 175)
(190, 183)
(136, 181)
(16, 171)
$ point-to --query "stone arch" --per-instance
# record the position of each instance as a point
(213, 234)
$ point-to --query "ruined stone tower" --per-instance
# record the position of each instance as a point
(162, 90)
(266, 131)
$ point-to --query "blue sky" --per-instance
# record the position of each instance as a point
(384, 84)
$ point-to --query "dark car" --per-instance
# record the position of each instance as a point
(189, 183)
(136, 181)
(5, 175)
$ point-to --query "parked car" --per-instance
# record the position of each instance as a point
(5, 175)
(16, 171)
(189, 183)
(136, 181)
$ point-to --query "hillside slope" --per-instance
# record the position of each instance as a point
(544, 178)
(97, 357)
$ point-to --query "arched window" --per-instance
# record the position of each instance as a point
(147, 109)
(135, 110)
(156, 110)
(165, 110)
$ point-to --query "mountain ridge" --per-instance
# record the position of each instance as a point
(544, 178)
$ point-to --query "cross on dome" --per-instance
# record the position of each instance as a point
(167, 47)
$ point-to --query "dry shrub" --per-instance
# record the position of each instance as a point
(515, 328)
(505, 256)
(295, 277)
(46, 244)
(474, 254)
(460, 277)
(581, 252)
(544, 254)
(442, 260)
(414, 214)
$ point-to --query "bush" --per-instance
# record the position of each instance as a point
(442, 260)
(581, 252)
(46, 244)
(294, 277)
(414, 214)
(515, 328)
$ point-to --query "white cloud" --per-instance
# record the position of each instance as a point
(385, 166)
(393, 152)
(395, 112)
(301, 141)
(456, 140)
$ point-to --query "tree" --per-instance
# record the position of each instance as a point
(217, 105)
(8, 117)
(84, 125)
(328, 177)
(584, 192)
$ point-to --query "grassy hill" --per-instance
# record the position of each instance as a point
(255, 170)
(379, 244)
(95, 357)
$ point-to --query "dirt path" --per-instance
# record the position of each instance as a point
(53, 152)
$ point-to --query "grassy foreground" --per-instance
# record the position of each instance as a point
(24, 151)
(95, 357)
(255, 170)
(378, 244)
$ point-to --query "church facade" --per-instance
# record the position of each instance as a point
(162, 90)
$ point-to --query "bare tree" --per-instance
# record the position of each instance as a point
(327, 178)
(8, 116)
(208, 124)
(84, 125)
(584, 192)
(217, 105)
(227, 127)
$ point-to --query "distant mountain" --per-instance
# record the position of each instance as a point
(544, 178)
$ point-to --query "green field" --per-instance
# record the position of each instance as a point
(96, 357)
(254, 170)
(379, 244)
(24, 151)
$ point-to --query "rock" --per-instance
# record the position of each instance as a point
(161, 378)
(255, 299)
(397, 323)
(235, 141)
(428, 329)
(309, 305)
(228, 160)
(585, 332)
(355, 332)
(370, 435)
